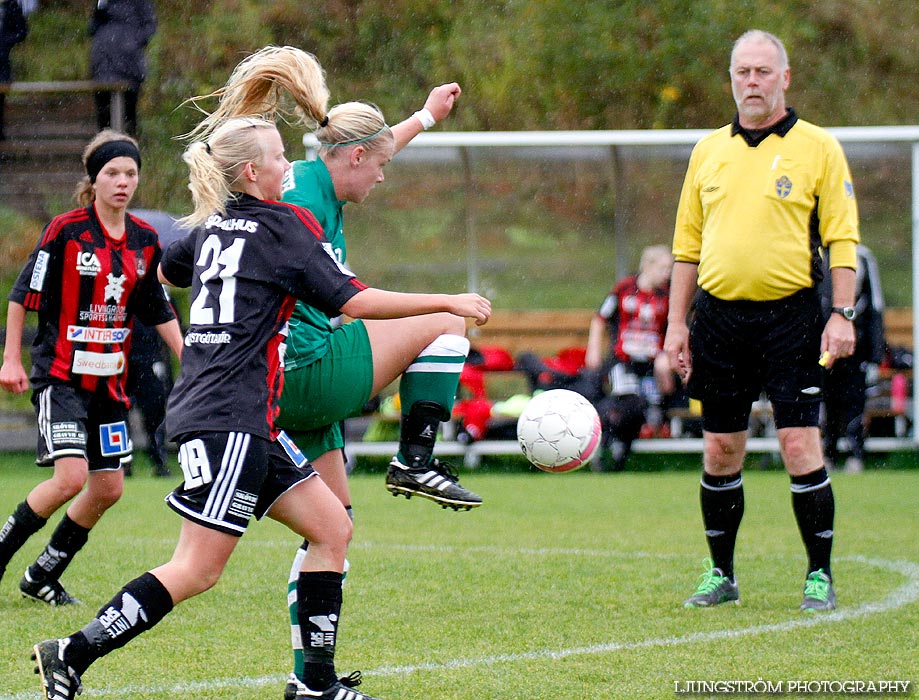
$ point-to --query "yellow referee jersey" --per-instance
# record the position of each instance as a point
(753, 217)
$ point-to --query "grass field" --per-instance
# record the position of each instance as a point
(560, 586)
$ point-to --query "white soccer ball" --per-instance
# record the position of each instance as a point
(559, 430)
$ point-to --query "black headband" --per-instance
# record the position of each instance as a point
(106, 152)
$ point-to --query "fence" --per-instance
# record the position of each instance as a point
(546, 220)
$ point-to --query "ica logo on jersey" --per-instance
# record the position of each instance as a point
(88, 264)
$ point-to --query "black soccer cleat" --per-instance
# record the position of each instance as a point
(58, 680)
(293, 684)
(49, 591)
(344, 689)
(436, 480)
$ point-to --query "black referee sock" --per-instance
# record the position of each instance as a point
(318, 610)
(136, 608)
(722, 501)
(19, 527)
(815, 508)
(68, 539)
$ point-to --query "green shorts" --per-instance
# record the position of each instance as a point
(334, 387)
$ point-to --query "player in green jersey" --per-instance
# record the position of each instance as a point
(332, 369)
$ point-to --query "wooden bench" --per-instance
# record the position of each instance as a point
(542, 331)
(898, 326)
(546, 332)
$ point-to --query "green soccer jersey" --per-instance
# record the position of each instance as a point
(308, 184)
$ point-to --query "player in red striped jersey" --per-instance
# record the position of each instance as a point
(92, 271)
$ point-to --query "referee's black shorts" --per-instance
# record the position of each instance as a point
(742, 348)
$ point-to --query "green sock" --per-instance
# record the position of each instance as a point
(434, 374)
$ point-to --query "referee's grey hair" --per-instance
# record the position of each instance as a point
(760, 35)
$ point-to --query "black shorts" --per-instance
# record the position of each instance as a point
(229, 477)
(743, 348)
(75, 423)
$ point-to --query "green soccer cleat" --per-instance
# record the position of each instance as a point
(818, 592)
(713, 588)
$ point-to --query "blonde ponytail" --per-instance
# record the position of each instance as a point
(256, 87)
(215, 165)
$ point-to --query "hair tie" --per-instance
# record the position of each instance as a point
(109, 151)
(325, 122)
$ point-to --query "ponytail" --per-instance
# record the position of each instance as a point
(256, 86)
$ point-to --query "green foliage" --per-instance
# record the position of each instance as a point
(560, 584)
(55, 25)
(525, 65)
(18, 234)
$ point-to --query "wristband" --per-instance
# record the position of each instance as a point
(425, 117)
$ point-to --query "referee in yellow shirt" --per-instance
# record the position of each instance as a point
(760, 198)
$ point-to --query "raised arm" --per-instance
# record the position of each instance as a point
(438, 106)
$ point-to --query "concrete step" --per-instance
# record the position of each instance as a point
(46, 151)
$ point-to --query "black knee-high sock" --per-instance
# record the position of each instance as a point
(815, 508)
(722, 502)
(318, 610)
(68, 539)
(19, 527)
(419, 432)
(136, 608)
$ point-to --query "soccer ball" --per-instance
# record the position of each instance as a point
(559, 430)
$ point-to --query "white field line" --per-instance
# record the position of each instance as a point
(901, 596)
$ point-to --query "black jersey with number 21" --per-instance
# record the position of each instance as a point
(246, 268)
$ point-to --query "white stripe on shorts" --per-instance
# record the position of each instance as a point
(44, 417)
(221, 495)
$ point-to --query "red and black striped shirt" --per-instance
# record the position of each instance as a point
(246, 269)
(87, 288)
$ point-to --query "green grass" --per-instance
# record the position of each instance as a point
(560, 586)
